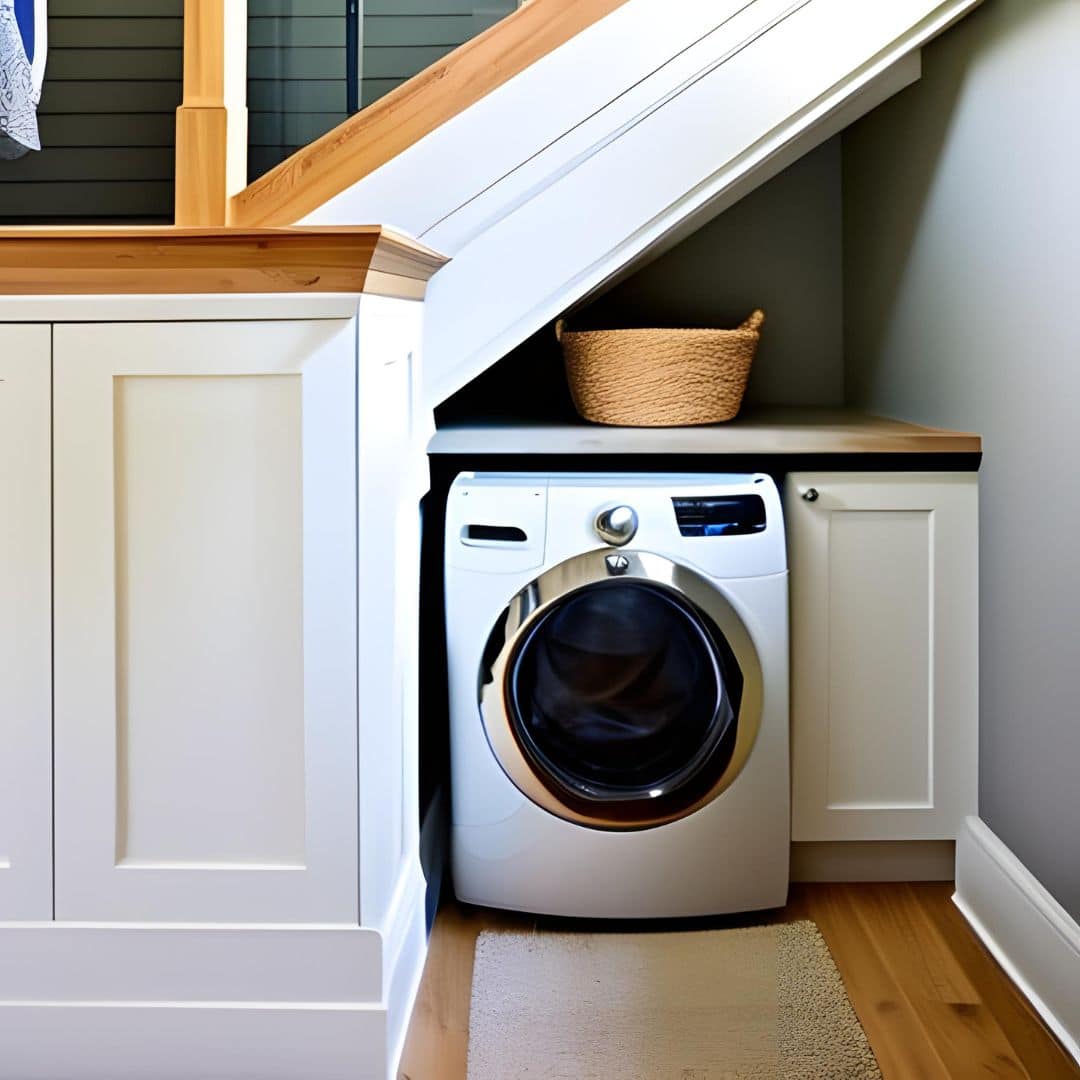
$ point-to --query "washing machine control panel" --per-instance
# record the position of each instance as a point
(725, 525)
(720, 515)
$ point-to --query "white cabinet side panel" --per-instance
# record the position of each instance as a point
(25, 630)
(392, 478)
(205, 566)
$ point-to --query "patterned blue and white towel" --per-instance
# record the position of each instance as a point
(19, 93)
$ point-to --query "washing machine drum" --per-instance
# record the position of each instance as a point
(622, 698)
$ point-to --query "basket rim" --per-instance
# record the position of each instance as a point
(751, 325)
(668, 330)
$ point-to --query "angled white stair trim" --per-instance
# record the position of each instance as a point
(504, 130)
(742, 27)
(570, 237)
(617, 144)
(1028, 932)
(894, 78)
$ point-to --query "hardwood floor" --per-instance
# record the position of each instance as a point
(932, 1000)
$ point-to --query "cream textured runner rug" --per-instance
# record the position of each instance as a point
(758, 1003)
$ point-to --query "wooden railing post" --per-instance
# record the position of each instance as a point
(211, 124)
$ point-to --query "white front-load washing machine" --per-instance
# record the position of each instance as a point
(618, 676)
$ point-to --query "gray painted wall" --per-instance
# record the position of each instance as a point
(962, 273)
(780, 249)
(112, 85)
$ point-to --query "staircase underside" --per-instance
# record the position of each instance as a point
(617, 144)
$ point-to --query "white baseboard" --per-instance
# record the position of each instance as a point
(1028, 932)
(873, 860)
(115, 1040)
(149, 964)
(100, 1001)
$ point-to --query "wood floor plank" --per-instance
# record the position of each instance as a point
(437, 1042)
(961, 1027)
(897, 1035)
(1041, 1054)
(934, 1004)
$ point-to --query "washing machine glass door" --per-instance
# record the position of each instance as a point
(622, 696)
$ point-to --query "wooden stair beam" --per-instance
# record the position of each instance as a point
(211, 123)
(102, 261)
(357, 147)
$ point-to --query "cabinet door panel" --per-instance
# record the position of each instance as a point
(25, 645)
(884, 594)
(205, 622)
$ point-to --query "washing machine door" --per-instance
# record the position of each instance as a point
(620, 690)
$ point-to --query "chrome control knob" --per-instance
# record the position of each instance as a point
(616, 525)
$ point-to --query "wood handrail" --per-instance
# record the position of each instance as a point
(357, 147)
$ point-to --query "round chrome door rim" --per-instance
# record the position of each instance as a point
(552, 586)
(661, 789)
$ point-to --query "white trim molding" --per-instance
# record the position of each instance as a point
(1028, 932)
(405, 945)
(178, 307)
(200, 1002)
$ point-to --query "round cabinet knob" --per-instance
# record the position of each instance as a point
(617, 525)
(810, 494)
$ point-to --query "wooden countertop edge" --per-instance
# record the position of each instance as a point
(157, 259)
(863, 437)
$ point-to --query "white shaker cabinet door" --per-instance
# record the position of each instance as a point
(25, 636)
(884, 649)
(205, 592)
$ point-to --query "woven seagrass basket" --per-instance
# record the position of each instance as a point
(659, 378)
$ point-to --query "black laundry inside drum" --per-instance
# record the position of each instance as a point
(623, 690)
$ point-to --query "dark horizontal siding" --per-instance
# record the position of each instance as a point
(113, 84)
(294, 129)
(373, 89)
(116, 9)
(296, 61)
(107, 116)
(428, 8)
(116, 33)
(296, 76)
(78, 200)
(402, 37)
(396, 31)
(273, 96)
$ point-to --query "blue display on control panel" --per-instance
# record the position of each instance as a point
(722, 515)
